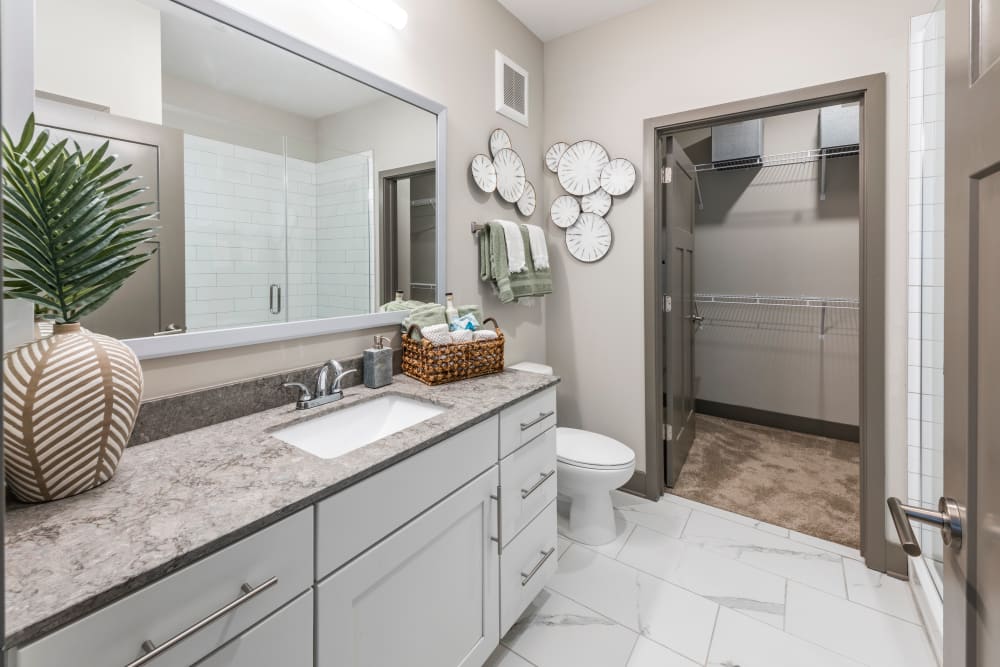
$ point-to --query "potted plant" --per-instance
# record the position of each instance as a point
(72, 235)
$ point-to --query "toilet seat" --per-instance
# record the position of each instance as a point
(585, 449)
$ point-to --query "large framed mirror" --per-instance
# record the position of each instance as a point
(295, 192)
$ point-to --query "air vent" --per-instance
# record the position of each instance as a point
(511, 89)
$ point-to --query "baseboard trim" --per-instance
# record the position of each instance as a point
(780, 420)
(897, 563)
(636, 485)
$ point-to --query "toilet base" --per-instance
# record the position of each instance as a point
(592, 518)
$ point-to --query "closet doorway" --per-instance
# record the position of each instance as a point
(408, 232)
(765, 289)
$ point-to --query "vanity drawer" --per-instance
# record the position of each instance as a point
(528, 483)
(284, 638)
(113, 636)
(523, 422)
(526, 565)
(361, 515)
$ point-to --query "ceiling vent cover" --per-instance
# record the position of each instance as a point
(511, 89)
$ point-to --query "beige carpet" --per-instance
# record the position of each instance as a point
(803, 482)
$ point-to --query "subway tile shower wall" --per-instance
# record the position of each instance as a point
(925, 384)
(245, 231)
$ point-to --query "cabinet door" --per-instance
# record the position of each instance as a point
(285, 638)
(425, 597)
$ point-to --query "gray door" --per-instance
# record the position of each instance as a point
(680, 318)
(134, 310)
(972, 330)
(153, 298)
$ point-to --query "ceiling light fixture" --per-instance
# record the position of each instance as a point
(384, 10)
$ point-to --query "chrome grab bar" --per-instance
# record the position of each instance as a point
(153, 651)
(542, 416)
(534, 487)
(526, 576)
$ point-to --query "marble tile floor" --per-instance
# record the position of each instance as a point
(686, 584)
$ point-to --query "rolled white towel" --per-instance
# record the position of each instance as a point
(461, 336)
(539, 249)
(484, 334)
(516, 262)
(437, 334)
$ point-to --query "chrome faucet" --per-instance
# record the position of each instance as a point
(326, 391)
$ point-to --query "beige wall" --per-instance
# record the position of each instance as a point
(602, 82)
(206, 112)
(124, 75)
(445, 52)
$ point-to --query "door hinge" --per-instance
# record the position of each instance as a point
(668, 432)
(668, 303)
(666, 175)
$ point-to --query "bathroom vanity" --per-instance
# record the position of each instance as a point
(226, 546)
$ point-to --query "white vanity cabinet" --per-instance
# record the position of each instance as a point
(426, 563)
(192, 612)
(425, 596)
(285, 638)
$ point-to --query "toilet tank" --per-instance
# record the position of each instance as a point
(532, 367)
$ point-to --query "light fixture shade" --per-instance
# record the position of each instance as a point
(384, 10)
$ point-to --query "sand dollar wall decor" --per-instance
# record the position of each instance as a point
(592, 180)
(503, 172)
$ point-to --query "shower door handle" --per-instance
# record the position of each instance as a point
(949, 518)
(275, 299)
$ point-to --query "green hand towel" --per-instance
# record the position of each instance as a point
(531, 282)
(471, 309)
(426, 315)
(396, 306)
(493, 267)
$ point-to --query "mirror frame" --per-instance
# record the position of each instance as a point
(152, 347)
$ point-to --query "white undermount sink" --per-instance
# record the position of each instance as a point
(345, 430)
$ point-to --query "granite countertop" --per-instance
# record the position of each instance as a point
(178, 499)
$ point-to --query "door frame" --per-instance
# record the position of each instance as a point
(388, 221)
(879, 552)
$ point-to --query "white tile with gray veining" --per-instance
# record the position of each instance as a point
(693, 585)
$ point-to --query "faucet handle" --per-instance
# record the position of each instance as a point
(336, 380)
(304, 393)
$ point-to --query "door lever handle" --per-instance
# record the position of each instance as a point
(948, 518)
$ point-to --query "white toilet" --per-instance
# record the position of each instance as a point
(589, 467)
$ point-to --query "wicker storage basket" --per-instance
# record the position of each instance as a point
(439, 364)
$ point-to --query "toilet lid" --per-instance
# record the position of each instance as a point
(591, 450)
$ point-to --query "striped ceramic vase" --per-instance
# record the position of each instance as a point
(70, 402)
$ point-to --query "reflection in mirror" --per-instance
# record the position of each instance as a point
(286, 191)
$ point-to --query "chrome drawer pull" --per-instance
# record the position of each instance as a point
(534, 487)
(542, 416)
(526, 576)
(152, 650)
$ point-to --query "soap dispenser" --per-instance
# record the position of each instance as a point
(378, 364)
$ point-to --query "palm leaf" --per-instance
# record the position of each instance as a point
(72, 231)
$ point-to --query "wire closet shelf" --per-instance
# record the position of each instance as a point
(778, 159)
(800, 314)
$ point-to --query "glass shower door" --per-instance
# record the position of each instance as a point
(236, 265)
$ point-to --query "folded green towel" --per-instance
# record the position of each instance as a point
(426, 315)
(493, 267)
(396, 306)
(471, 309)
